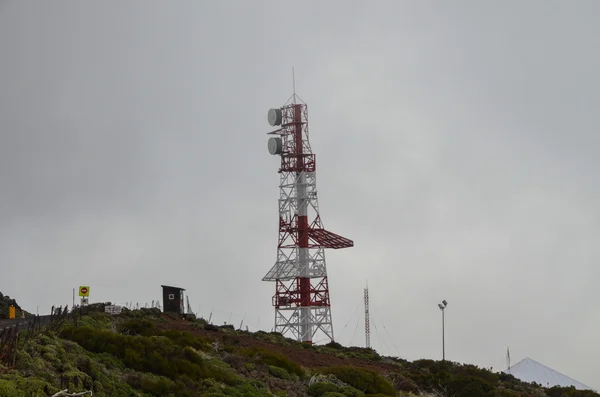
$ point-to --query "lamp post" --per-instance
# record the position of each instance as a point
(442, 306)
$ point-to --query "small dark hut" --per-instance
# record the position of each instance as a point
(172, 299)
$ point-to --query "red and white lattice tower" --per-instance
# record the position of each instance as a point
(301, 300)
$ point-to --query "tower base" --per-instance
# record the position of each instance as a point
(303, 319)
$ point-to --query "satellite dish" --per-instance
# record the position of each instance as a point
(275, 146)
(274, 117)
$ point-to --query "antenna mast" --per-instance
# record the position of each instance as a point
(301, 300)
(367, 319)
(294, 82)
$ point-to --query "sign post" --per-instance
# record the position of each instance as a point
(84, 293)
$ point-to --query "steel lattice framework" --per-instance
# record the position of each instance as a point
(301, 300)
(367, 320)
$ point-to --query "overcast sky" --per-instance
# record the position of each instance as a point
(457, 145)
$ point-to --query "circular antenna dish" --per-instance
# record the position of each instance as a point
(275, 146)
(274, 116)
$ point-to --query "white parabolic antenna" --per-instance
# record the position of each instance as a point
(275, 146)
(274, 116)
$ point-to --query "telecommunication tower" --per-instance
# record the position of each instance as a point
(301, 300)
(367, 320)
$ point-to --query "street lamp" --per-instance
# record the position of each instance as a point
(442, 306)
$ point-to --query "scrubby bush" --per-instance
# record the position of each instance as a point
(320, 388)
(246, 389)
(458, 380)
(279, 372)
(227, 327)
(9, 389)
(138, 326)
(271, 358)
(503, 393)
(376, 395)
(364, 380)
(334, 345)
(157, 355)
(338, 350)
(211, 327)
(184, 339)
(148, 383)
(558, 391)
(350, 391)
(469, 386)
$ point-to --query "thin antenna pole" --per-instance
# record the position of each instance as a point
(367, 319)
(294, 81)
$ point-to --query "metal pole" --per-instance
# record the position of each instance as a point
(73, 298)
(443, 339)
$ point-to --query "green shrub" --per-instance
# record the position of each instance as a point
(365, 380)
(251, 389)
(557, 391)
(148, 383)
(334, 345)
(333, 394)
(506, 393)
(349, 391)
(472, 371)
(9, 389)
(26, 387)
(271, 358)
(278, 372)
(183, 338)
(376, 395)
(157, 355)
(469, 386)
(138, 326)
(96, 320)
(320, 388)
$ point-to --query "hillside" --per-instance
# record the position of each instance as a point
(148, 353)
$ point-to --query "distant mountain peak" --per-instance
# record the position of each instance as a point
(529, 370)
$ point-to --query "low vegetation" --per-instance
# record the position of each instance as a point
(147, 353)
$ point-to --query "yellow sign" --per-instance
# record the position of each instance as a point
(12, 313)
(84, 291)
